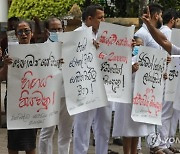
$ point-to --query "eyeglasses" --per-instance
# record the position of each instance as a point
(56, 30)
(25, 31)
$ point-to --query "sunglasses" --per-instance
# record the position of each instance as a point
(25, 31)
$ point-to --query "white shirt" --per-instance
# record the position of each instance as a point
(145, 35)
(166, 31)
(83, 27)
(175, 50)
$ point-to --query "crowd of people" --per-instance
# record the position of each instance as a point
(155, 32)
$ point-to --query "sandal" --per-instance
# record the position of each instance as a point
(174, 149)
(156, 150)
(112, 152)
(139, 151)
(168, 151)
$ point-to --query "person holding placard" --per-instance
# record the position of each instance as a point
(53, 28)
(169, 115)
(22, 139)
(92, 16)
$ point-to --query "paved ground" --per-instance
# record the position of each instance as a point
(3, 145)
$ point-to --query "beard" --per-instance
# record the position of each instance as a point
(159, 24)
(174, 26)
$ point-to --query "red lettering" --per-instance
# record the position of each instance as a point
(114, 40)
(29, 83)
(35, 99)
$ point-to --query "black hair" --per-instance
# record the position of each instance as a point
(21, 21)
(154, 8)
(13, 19)
(137, 37)
(91, 11)
(169, 14)
(48, 21)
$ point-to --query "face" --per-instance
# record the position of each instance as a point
(55, 26)
(95, 21)
(24, 33)
(139, 42)
(176, 23)
(159, 20)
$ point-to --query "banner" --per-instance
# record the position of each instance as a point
(115, 54)
(149, 85)
(173, 71)
(84, 88)
(34, 85)
(175, 40)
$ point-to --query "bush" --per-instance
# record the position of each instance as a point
(42, 9)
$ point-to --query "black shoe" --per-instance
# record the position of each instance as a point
(118, 141)
(93, 142)
(112, 152)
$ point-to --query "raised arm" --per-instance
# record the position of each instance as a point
(158, 36)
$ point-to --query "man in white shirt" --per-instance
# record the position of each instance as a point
(169, 114)
(101, 117)
(156, 21)
(158, 36)
(155, 11)
(53, 27)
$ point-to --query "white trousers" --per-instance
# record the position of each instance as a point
(169, 123)
(64, 133)
(82, 127)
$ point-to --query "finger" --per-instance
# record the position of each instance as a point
(148, 12)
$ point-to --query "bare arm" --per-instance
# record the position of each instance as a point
(158, 36)
(4, 69)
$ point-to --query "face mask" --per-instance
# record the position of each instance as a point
(54, 36)
(135, 50)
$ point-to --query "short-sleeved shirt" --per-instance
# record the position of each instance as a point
(166, 31)
(175, 50)
(145, 35)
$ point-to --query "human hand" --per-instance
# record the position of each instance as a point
(165, 76)
(135, 67)
(7, 60)
(146, 17)
(168, 59)
(96, 44)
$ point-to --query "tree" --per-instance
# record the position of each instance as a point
(42, 9)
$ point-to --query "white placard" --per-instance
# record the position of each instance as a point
(173, 71)
(34, 85)
(149, 85)
(115, 54)
(84, 88)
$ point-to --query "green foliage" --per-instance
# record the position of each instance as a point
(170, 4)
(42, 9)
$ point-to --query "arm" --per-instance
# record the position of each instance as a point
(159, 37)
(4, 69)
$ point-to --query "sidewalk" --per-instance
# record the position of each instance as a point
(3, 145)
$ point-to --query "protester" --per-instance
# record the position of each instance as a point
(159, 37)
(22, 139)
(168, 113)
(53, 29)
(92, 16)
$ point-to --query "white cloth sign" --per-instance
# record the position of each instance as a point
(149, 84)
(115, 54)
(84, 88)
(173, 75)
(34, 85)
(175, 40)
